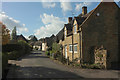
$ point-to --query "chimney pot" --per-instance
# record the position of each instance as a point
(69, 19)
(84, 10)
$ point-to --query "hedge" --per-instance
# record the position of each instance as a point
(14, 51)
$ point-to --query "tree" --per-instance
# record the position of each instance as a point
(14, 34)
(5, 34)
(55, 47)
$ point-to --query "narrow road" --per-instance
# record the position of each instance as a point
(37, 65)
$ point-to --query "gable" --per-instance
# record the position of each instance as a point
(103, 7)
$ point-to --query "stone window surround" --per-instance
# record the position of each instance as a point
(65, 32)
(75, 45)
(70, 50)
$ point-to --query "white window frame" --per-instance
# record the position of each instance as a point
(70, 46)
(66, 51)
(65, 32)
(75, 45)
(75, 28)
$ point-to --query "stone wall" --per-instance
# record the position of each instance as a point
(102, 30)
(101, 56)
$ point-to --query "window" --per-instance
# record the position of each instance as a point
(70, 48)
(75, 28)
(65, 32)
(75, 48)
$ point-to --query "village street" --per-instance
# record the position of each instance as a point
(37, 65)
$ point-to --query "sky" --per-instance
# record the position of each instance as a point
(41, 19)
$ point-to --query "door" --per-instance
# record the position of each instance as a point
(66, 52)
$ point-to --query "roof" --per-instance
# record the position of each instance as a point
(38, 43)
(60, 35)
(48, 40)
(80, 19)
(90, 13)
(21, 36)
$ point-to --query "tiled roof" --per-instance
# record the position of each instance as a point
(80, 19)
(21, 36)
(60, 35)
(38, 43)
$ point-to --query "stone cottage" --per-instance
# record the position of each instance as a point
(94, 29)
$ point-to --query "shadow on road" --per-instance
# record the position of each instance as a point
(36, 57)
(40, 72)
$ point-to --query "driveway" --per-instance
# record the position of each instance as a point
(37, 65)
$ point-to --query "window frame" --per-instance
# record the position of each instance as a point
(65, 32)
(70, 48)
(75, 28)
(75, 45)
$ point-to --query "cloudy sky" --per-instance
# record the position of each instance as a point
(41, 19)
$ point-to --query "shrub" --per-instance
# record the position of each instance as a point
(64, 60)
(17, 50)
(55, 48)
(4, 61)
(13, 55)
(25, 47)
(47, 53)
(10, 47)
(92, 66)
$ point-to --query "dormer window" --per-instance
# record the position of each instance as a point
(75, 28)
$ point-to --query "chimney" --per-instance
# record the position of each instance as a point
(84, 10)
(69, 19)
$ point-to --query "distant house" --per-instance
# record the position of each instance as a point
(21, 37)
(87, 32)
(15, 37)
(37, 45)
(47, 42)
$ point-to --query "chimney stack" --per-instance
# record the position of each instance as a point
(84, 10)
(69, 19)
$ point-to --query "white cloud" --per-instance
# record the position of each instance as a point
(48, 4)
(11, 23)
(22, 29)
(79, 6)
(52, 24)
(66, 6)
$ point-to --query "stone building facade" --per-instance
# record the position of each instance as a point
(89, 30)
(101, 28)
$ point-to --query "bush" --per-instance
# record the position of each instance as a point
(55, 48)
(25, 47)
(92, 66)
(10, 47)
(47, 53)
(4, 61)
(17, 50)
(13, 55)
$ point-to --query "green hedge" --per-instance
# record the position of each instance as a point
(20, 49)
(10, 47)
(14, 51)
(4, 61)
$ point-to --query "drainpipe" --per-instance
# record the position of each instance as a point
(80, 46)
(72, 49)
